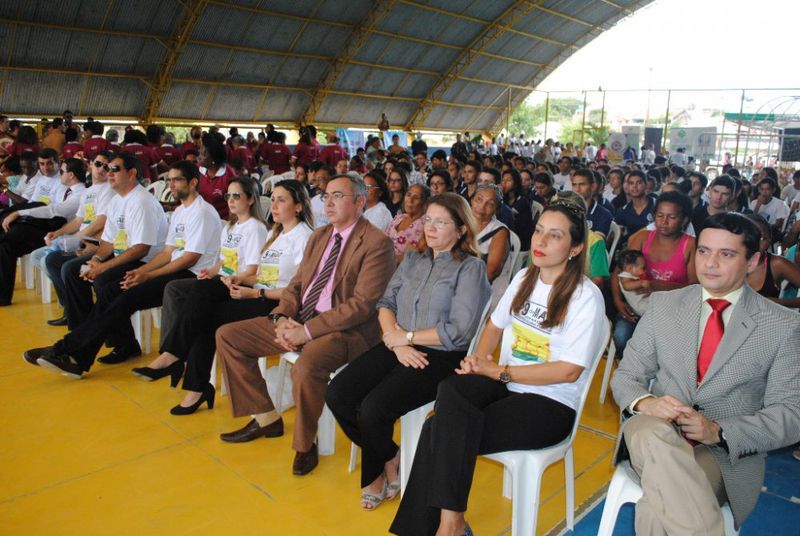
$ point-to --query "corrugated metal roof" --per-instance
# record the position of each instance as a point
(419, 61)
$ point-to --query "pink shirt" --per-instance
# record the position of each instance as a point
(325, 302)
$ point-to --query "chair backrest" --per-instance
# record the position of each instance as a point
(266, 204)
(536, 210)
(613, 235)
(482, 324)
(516, 252)
(157, 188)
(502, 281)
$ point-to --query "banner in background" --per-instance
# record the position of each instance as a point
(351, 140)
(387, 138)
(699, 142)
(652, 136)
(633, 135)
(616, 147)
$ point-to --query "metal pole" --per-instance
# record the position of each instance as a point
(721, 149)
(546, 114)
(739, 133)
(508, 113)
(666, 119)
(583, 121)
(603, 112)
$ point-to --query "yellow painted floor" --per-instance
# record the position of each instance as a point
(103, 455)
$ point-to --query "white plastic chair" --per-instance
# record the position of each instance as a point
(157, 188)
(141, 321)
(610, 355)
(45, 285)
(522, 476)
(27, 271)
(624, 489)
(613, 235)
(536, 210)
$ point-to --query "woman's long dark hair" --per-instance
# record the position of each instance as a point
(568, 281)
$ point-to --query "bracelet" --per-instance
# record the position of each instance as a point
(98, 258)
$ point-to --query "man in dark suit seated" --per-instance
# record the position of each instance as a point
(725, 389)
(327, 313)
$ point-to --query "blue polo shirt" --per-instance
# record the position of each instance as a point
(599, 219)
(628, 218)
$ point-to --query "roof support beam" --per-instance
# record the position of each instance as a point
(517, 10)
(183, 29)
(74, 72)
(160, 39)
(378, 11)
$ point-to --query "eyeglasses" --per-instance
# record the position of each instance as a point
(99, 164)
(438, 223)
(372, 187)
(176, 179)
(395, 180)
(336, 196)
(115, 169)
(233, 195)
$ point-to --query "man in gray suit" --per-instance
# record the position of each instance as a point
(725, 373)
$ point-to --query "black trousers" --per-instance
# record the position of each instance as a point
(207, 306)
(24, 235)
(78, 298)
(54, 263)
(474, 415)
(375, 390)
(110, 317)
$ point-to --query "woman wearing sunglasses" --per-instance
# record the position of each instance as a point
(199, 307)
(429, 313)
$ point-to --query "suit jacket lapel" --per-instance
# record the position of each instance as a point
(347, 253)
(312, 263)
(688, 318)
(738, 329)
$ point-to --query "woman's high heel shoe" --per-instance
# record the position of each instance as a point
(207, 396)
(174, 371)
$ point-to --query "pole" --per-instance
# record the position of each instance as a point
(583, 121)
(546, 114)
(603, 112)
(508, 113)
(666, 118)
(739, 133)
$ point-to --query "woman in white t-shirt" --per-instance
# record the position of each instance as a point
(551, 322)
(220, 295)
(376, 211)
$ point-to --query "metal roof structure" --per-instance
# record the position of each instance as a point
(435, 64)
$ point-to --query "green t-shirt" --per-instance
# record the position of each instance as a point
(597, 258)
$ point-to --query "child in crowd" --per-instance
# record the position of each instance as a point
(633, 278)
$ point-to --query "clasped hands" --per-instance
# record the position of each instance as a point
(482, 366)
(692, 423)
(408, 356)
(290, 334)
(133, 278)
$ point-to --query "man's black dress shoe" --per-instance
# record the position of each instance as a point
(63, 364)
(254, 431)
(58, 321)
(305, 462)
(31, 356)
(118, 355)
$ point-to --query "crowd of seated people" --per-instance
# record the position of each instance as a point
(384, 263)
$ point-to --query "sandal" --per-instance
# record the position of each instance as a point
(370, 501)
(393, 489)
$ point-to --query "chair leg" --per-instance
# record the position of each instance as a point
(27, 267)
(508, 483)
(326, 433)
(410, 429)
(283, 371)
(213, 379)
(45, 284)
(569, 487)
(353, 457)
(146, 328)
(526, 482)
(612, 352)
(621, 490)
(136, 320)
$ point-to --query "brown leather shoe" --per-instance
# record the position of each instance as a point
(305, 462)
(254, 431)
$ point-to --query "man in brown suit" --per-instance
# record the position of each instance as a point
(327, 313)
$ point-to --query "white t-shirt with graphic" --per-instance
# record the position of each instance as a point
(195, 229)
(318, 210)
(136, 218)
(45, 190)
(241, 246)
(94, 202)
(773, 211)
(576, 341)
(280, 261)
(379, 216)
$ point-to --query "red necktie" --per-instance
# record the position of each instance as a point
(711, 336)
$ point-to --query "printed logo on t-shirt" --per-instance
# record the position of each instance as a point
(530, 342)
(180, 241)
(268, 270)
(121, 238)
(649, 217)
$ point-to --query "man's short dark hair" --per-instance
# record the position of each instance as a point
(725, 181)
(188, 170)
(496, 175)
(96, 128)
(129, 162)
(636, 173)
(49, 154)
(770, 181)
(440, 154)
(659, 160)
(477, 166)
(735, 223)
(678, 171)
(586, 173)
(76, 166)
(700, 176)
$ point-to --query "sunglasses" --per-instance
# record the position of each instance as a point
(99, 164)
(115, 169)
(233, 195)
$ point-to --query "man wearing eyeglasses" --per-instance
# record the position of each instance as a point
(192, 245)
(24, 230)
(66, 252)
(327, 313)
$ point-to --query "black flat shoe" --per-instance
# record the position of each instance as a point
(32, 356)
(174, 371)
(62, 321)
(64, 364)
(118, 355)
(207, 396)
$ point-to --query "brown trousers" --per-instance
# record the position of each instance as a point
(682, 485)
(240, 344)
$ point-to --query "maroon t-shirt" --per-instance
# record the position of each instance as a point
(18, 148)
(94, 145)
(276, 155)
(188, 145)
(243, 154)
(168, 153)
(70, 149)
(213, 189)
(306, 154)
(146, 156)
(333, 153)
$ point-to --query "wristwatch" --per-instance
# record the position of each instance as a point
(505, 376)
(410, 337)
(276, 317)
(262, 295)
(722, 441)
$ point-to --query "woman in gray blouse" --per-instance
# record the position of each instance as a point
(429, 314)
